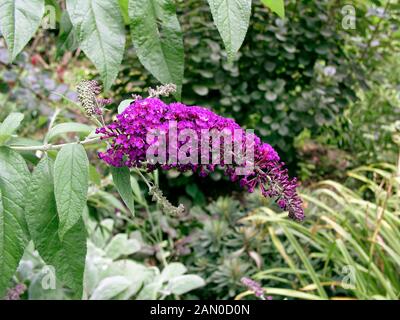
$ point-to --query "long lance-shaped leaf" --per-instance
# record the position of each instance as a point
(157, 37)
(71, 176)
(101, 31)
(122, 180)
(67, 256)
(232, 19)
(14, 180)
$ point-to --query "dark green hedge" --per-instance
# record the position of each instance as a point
(290, 75)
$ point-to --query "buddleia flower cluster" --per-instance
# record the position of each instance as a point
(88, 91)
(129, 142)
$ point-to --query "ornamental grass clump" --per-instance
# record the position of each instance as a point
(133, 134)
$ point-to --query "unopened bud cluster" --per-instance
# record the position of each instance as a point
(88, 90)
(165, 205)
(164, 90)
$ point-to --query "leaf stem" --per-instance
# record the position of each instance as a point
(51, 124)
(148, 183)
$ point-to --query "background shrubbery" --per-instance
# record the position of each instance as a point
(292, 77)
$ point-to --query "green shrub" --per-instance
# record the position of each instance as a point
(349, 246)
(372, 118)
(291, 74)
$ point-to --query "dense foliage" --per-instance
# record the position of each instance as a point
(291, 75)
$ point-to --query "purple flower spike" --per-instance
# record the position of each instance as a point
(16, 292)
(254, 286)
(132, 136)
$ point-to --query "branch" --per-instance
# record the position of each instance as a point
(47, 147)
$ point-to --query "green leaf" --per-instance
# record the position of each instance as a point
(124, 104)
(201, 90)
(136, 189)
(292, 293)
(120, 245)
(232, 20)
(14, 235)
(124, 10)
(157, 37)
(67, 256)
(72, 257)
(29, 156)
(37, 292)
(172, 270)
(68, 127)
(197, 195)
(19, 20)
(71, 175)
(136, 273)
(150, 291)
(106, 200)
(94, 175)
(110, 287)
(56, 7)
(67, 38)
(122, 179)
(101, 32)
(277, 6)
(183, 284)
(306, 261)
(9, 125)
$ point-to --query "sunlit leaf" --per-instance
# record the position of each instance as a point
(277, 6)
